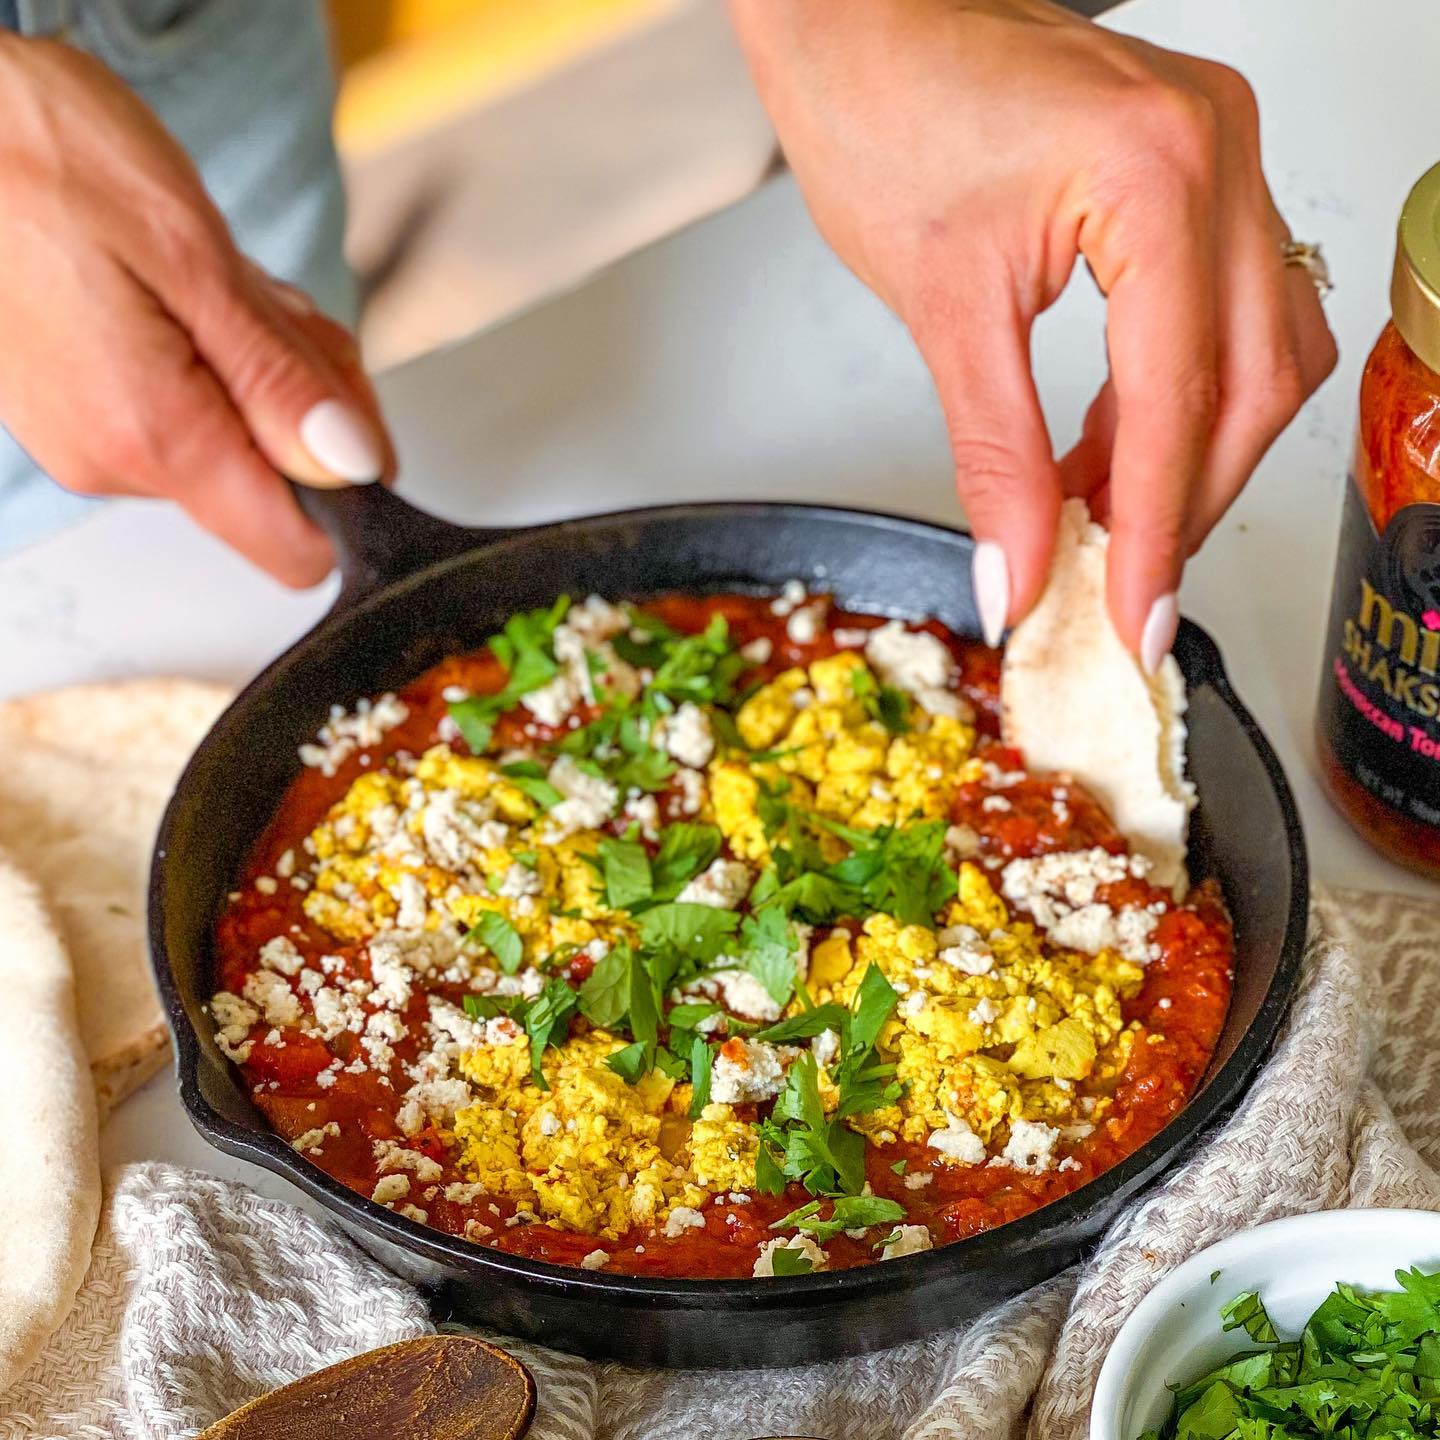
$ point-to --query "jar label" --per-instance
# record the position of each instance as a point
(1380, 695)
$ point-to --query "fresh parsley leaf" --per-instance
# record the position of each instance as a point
(767, 950)
(688, 1016)
(898, 1168)
(685, 850)
(784, 1261)
(545, 1019)
(528, 776)
(885, 703)
(875, 1001)
(702, 1061)
(525, 649)
(847, 1212)
(625, 868)
(605, 993)
(1248, 1311)
(548, 1013)
(631, 1064)
(824, 1155)
(697, 932)
(500, 938)
(702, 668)
(769, 1179)
(475, 718)
(805, 1024)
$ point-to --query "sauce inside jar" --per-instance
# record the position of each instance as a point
(1378, 726)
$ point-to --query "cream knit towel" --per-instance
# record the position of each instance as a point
(202, 1294)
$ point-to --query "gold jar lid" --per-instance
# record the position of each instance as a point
(1415, 288)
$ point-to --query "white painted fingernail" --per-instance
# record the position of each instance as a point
(1159, 633)
(342, 442)
(990, 575)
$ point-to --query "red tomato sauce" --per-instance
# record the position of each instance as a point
(1181, 1005)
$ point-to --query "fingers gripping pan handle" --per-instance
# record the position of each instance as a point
(380, 538)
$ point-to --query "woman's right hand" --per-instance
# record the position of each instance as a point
(140, 352)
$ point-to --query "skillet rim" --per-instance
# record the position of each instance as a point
(1055, 1223)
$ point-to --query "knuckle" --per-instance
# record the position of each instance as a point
(986, 470)
(188, 245)
(1234, 95)
(1166, 135)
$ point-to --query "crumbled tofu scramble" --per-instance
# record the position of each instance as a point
(692, 940)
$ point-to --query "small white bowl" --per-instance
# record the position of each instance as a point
(1175, 1335)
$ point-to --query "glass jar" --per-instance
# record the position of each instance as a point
(1378, 725)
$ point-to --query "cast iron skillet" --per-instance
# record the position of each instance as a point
(416, 589)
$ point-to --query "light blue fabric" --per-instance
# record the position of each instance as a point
(246, 88)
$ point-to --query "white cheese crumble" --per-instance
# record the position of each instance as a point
(686, 736)
(276, 1001)
(912, 660)
(748, 1070)
(765, 1261)
(390, 1188)
(905, 1240)
(757, 652)
(692, 790)
(1031, 1146)
(962, 947)
(554, 700)
(683, 1218)
(644, 810)
(958, 1142)
(792, 595)
(1060, 891)
(588, 801)
(723, 886)
(740, 993)
(346, 732)
(391, 1158)
(804, 624)
(280, 954)
(310, 1142)
(595, 1260)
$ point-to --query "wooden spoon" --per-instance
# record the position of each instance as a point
(440, 1387)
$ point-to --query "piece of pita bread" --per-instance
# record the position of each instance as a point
(50, 1158)
(1073, 699)
(84, 776)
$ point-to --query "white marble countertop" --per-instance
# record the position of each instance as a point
(738, 359)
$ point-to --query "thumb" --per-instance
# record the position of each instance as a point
(1005, 467)
(299, 407)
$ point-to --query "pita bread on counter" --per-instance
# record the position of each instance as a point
(1074, 699)
(50, 1160)
(85, 773)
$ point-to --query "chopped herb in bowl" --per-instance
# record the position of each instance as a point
(1365, 1367)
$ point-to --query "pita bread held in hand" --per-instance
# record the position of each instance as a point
(1073, 699)
(85, 777)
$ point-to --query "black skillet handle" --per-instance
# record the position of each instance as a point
(380, 538)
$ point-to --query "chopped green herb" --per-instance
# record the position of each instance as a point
(545, 1019)
(898, 1168)
(768, 950)
(528, 776)
(605, 993)
(697, 932)
(500, 938)
(1366, 1366)
(885, 703)
(702, 1061)
(785, 1261)
(805, 1024)
(847, 1212)
(1248, 1311)
(625, 867)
